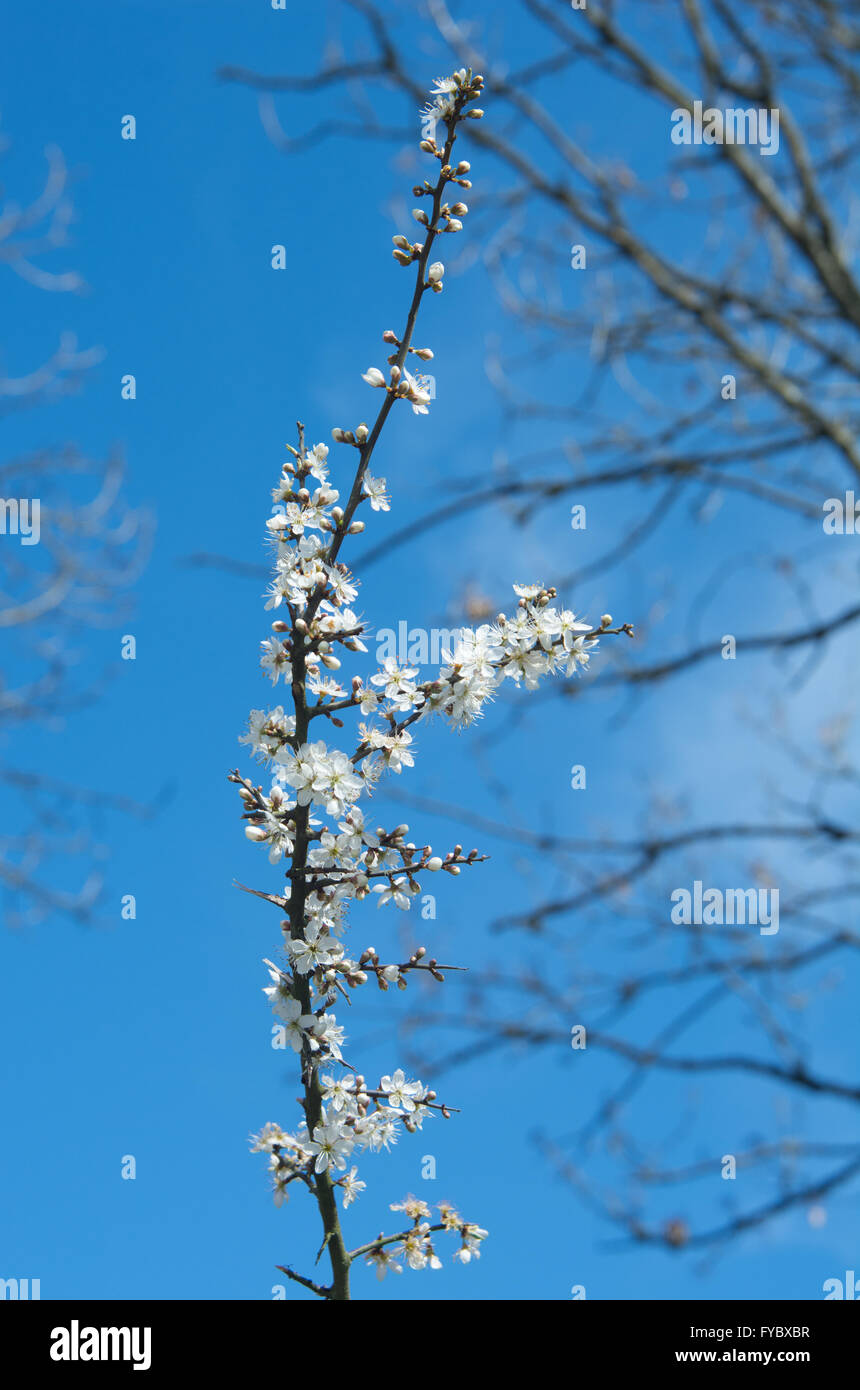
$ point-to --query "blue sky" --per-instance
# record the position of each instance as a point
(151, 1037)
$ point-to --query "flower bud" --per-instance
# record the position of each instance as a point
(373, 376)
(435, 273)
(434, 864)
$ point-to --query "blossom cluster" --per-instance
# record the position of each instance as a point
(347, 859)
(415, 1246)
(310, 816)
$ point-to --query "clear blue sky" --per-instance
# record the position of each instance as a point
(151, 1037)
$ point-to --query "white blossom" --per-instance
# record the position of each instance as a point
(402, 1094)
(374, 489)
(351, 1186)
(331, 1147)
(393, 892)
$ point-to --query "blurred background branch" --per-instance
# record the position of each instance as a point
(73, 576)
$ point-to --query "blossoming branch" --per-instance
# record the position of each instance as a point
(311, 815)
